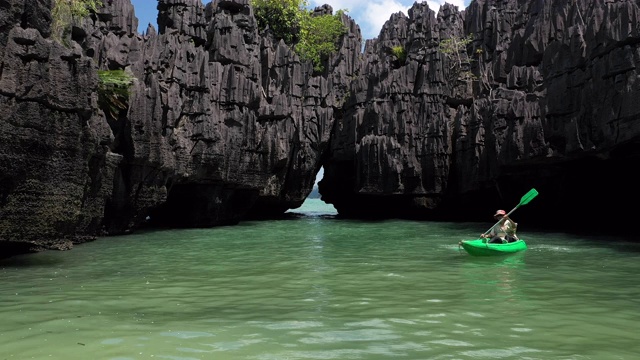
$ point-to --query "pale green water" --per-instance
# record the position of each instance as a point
(320, 288)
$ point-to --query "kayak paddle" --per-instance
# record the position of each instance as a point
(523, 201)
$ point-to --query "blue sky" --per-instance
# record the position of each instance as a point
(369, 14)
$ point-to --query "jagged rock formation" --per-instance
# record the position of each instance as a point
(222, 123)
(55, 173)
(551, 106)
(225, 123)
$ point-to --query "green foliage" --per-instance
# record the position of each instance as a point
(113, 91)
(318, 38)
(65, 11)
(455, 49)
(314, 37)
(283, 17)
(400, 53)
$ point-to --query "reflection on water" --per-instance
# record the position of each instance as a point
(497, 279)
(314, 208)
(317, 287)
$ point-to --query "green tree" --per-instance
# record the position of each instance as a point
(113, 91)
(318, 37)
(283, 17)
(455, 49)
(65, 11)
(400, 53)
(313, 37)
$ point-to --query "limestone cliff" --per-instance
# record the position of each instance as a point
(225, 123)
(548, 100)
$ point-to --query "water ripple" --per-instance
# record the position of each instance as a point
(321, 288)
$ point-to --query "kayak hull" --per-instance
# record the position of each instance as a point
(480, 247)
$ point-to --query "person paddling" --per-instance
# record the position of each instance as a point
(504, 231)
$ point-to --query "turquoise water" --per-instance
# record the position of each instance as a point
(317, 287)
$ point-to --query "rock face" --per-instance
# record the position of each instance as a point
(549, 104)
(224, 122)
(55, 170)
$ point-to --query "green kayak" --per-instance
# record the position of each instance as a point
(479, 247)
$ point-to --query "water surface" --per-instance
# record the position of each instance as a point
(317, 287)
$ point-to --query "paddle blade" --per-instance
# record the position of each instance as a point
(528, 197)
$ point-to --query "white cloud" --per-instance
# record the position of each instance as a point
(435, 4)
(341, 4)
(372, 14)
(376, 14)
